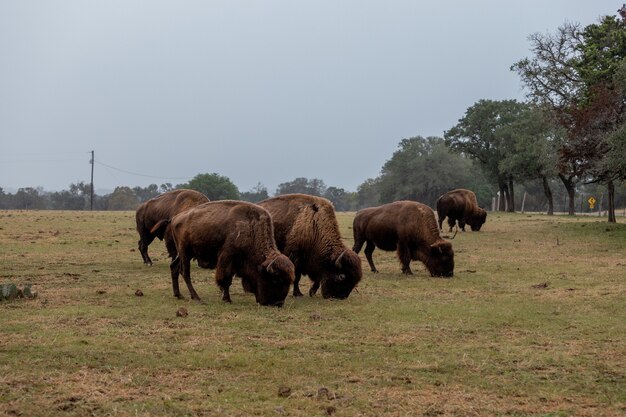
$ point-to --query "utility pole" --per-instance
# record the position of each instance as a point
(92, 163)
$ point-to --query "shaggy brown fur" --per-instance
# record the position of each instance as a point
(164, 206)
(234, 238)
(409, 228)
(460, 205)
(307, 231)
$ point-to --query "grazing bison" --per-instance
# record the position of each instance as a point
(460, 205)
(164, 206)
(234, 238)
(409, 228)
(306, 230)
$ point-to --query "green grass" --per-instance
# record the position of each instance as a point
(532, 324)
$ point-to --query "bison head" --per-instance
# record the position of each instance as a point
(478, 220)
(344, 276)
(440, 263)
(272, 288)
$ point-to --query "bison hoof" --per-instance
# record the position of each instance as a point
(375, 271)
(297, 293)
(408, 272)
(312, 293)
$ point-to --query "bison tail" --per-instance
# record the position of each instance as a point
(159, 228)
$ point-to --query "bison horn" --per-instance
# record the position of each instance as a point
(338, 261)
(435, 248)
(269, 266)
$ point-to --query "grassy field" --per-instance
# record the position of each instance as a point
(532, 324)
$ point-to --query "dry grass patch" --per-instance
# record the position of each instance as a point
(532, 324)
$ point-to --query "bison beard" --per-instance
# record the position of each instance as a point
(234, 238)
(409, 228)
(306, 230)
(164, 206)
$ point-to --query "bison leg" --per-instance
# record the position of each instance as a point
(440, 218)
(451, 223)
(314, 288)
(224, 277)
(185, 269)
(144, 241)
(404, 254)
(358, 244)
(369, 250)
(226, 293)
(296, 284)
(462, 225)
(175, 271)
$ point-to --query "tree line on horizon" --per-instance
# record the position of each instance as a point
(565, 143)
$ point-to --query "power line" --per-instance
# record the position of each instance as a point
(140, 175)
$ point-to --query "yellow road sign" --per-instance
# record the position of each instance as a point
(592, 202)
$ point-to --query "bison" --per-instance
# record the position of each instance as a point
(409, 228)
(164, 206)
(460, 205)
(306, 230)
(234, 238)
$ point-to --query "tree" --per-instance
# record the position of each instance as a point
(214, 186)
(145, 194)
(368, 193)
(76, 198)
(302, 185)
(66, 200)
(342, 200)
(122, 198)
(166, 187)
(485, 134)
(5, 202)
(576, 73)
(422, 169)
(553, 83)
(29, 198)
(256, 194)
(534, 156)
(601, 112)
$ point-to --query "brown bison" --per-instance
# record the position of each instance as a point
(234, 238)
(460, 205)
(409, 228)
(306, 230)
(164, 206)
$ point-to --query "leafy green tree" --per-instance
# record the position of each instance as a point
(368, 193)
(577, 74)
(166, 187)
(214, 186)
(554, 83)
(67, 200)
(5, 202)
(76, 198)
(302, 185)
(485, 134)
(29, 198)
(145, 194)
(122, 198)
(341, 199)
(422, 169)
(534, 156)
(256, 194)
(616, 159)
(601, 114)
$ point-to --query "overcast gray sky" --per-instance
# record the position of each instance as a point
(258, 91)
